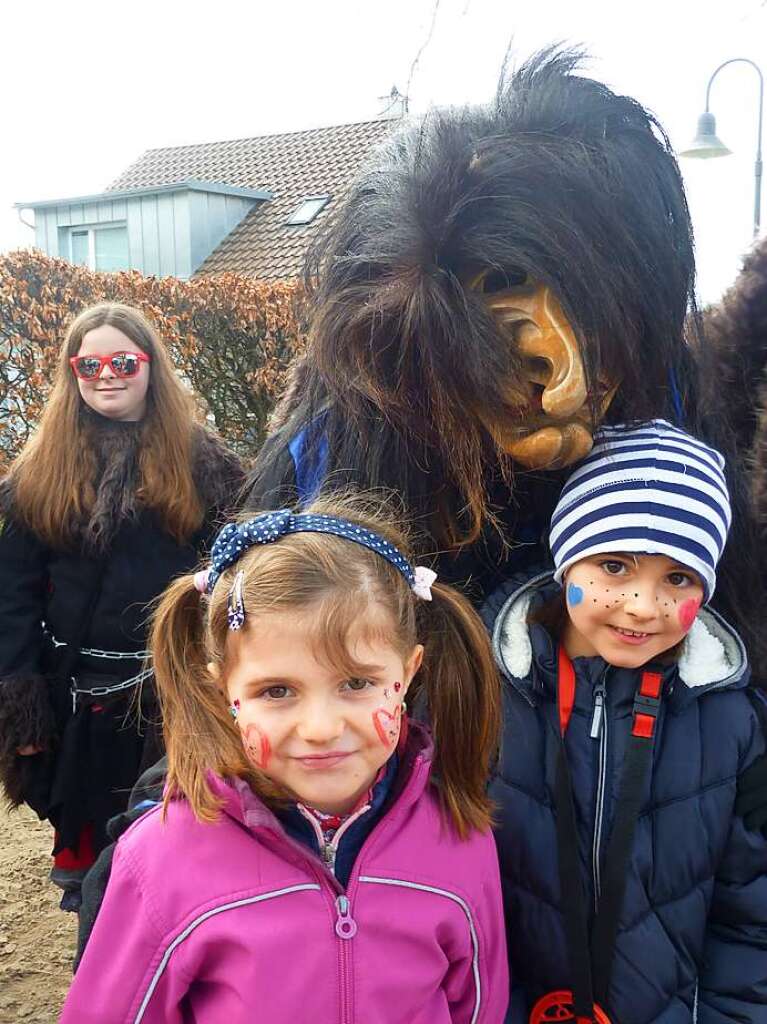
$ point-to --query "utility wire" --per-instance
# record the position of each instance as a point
(426, 42)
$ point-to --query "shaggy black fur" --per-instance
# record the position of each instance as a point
(26, 717)
(736, 329)
(217, 474)
(736, 334)
(560, 180)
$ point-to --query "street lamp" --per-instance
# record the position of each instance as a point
(706, 144)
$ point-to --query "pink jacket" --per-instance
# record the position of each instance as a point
(236, 922)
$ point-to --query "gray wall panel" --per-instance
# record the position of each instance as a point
(182, 226)
(135, 234)
(167, 235)
(151, 235)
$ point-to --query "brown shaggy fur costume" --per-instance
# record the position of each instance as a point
(736, 328)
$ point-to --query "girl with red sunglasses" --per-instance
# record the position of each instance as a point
(114, 495)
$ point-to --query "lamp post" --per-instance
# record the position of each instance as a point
(706, 144)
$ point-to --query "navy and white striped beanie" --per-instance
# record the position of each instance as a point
(650, 489)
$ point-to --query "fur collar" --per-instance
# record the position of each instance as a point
(216, 470)
(117, 446)
(712, 652)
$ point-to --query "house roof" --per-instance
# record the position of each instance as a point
(291, 168)
(188, 184)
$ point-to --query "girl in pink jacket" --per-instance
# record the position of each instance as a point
(317, 856)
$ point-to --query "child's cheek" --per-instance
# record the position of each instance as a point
(257, 746)
(687, 612)
(387, 721)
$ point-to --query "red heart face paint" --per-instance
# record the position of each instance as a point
(387, 725)
(687, 612)
(257, 746)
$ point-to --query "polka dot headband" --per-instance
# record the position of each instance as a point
(236, 538)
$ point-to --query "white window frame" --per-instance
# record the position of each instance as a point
(292, 222)
(91, 229)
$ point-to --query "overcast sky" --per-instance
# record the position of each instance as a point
(86, 87)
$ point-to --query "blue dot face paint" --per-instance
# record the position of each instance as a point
(574, 595)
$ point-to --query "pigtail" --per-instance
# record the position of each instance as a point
(198, 730)
(462, 689)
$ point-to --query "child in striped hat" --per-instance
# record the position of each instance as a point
(636, 538)
(633, 894)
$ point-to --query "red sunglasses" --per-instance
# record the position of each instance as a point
(122, 364)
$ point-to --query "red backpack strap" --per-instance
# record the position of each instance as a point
(565, 689)
(647, 705)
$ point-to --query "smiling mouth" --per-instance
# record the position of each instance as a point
(319, 761)
(631, 635)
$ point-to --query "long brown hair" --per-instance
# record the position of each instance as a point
(458, 681)
(53, 478)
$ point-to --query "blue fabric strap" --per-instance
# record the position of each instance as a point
(235, 539)
(309, 463)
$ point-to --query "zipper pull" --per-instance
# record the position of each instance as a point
(599, 712)
(346, 926)
(329, 856)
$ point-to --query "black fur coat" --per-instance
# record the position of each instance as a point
(95, 595)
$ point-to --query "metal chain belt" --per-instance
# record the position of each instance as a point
(96, 652)
(103, 691)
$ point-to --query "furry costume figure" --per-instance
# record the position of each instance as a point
(736, 328)
(430, 373)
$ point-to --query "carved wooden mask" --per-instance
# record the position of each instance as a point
(555, 429)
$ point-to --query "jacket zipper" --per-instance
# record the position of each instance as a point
(345, 926)
(328, 851)
(346, 929)
(599, 731)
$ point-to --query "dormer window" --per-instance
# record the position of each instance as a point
(307, 210)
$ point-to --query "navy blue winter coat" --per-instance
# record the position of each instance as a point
(692, 941)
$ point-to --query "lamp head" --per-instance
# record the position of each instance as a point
(706, 144)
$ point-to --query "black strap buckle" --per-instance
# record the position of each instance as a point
(646, 705)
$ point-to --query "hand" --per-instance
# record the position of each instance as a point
(28, 750)
(751, 800)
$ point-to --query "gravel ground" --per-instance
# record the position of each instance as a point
(37, 940)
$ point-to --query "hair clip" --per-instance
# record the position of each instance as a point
(423, 579)
(235, 608)
(201, 580)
